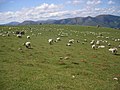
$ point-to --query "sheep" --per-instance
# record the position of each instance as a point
(93, 46)
(19, 35)
(28, 37)
(78, 41)
(58, 39)
(50, 41)
(28, 45)
(71, 41)
(113, 50)
(22, 33)
(98, 42)
(68, 44)
(85, 40)
(92, 42)
(8, 34)
(116, 40)
(109, 44)
(118, 46)
(101, 46)
(107, 37)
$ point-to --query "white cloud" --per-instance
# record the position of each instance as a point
(111, 2)
(36, 13)
(74, 2)
(94, 2)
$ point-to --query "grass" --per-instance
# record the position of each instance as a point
(41, 68)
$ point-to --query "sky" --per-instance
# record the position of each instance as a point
(21, 10)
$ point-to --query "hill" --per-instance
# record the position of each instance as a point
(13, 23)
(102, 20)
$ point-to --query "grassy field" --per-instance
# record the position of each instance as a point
(57, 66)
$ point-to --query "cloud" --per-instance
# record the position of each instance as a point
(111, 2)
(53, 11)
(94, 2)
(42, 11)
(74, 2)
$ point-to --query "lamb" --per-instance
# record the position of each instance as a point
(68, 44)
(113, 50)
(101, 46)
(118, 46)
(85, 40)
(93, 46)
(98, 42)
(28, 37)
(28, 45)
(78, 41)
(58, 39)
(71, 41)
(109, 44)
(50, 41)
(92, 42)
(19, 35)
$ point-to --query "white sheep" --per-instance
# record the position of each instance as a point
(50, 41)
(19, 35)
(27, 44)
(98, 42)
(118, 46)
(68, 44)
(71, 41)
(107, 37)
(109, 44)
(58, 39)
(28, 37)
(92, 42)
(101, 46)
(85, 40)
(93, 46)
(113, 50)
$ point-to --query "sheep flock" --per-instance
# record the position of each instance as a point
(99, 39)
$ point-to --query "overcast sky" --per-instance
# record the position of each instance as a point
(20, 10)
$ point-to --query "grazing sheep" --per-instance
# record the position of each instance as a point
(68, 44)
(109, 44)
(98, 42)
(28, 37)
(115, 78)
(85, 40)
(107, 37)
(93, 46)
(28, 45)
(92, 42)
(78, 41)
(50, 41)
(19, 35)
(101, 46)
(8, 34)
(113, 50)
(22, 33)
(71, 41)
(118, 46)
(58, 39)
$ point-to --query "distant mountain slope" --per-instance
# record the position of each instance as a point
(102, 20)
(13, 23)
(28, 23)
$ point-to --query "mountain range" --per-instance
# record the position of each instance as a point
(102, 20)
